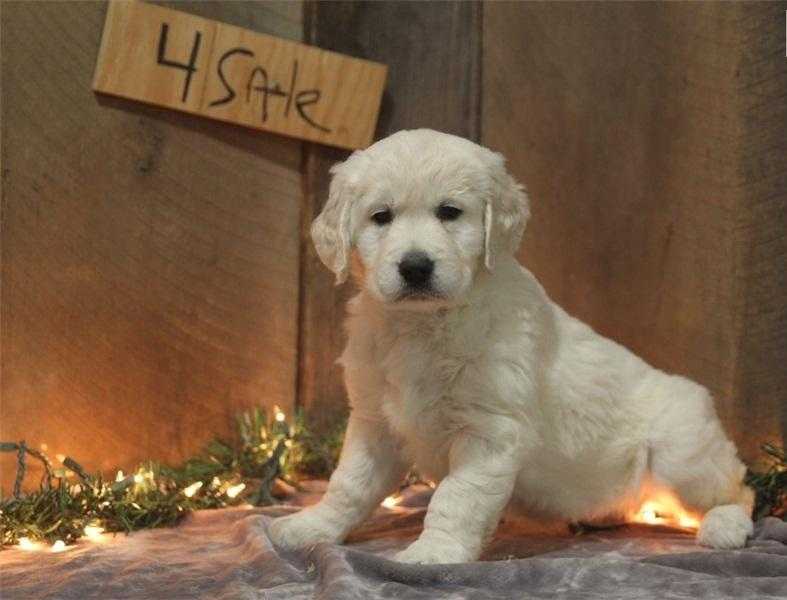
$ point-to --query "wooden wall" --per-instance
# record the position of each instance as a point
(653, 139)
(433, 52)
(157, 275)
(150, 259)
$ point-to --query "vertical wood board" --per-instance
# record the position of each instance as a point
(150, 258)
(433, 53)
(654, 188)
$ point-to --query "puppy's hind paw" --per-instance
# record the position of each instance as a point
(725, 527)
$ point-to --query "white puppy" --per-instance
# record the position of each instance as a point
(458, 362)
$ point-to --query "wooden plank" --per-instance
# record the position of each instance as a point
(150, 258)
(176, 60)
(626, 123)
(760, 384)
(433, 54)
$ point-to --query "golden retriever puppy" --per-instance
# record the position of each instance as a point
(458, 362)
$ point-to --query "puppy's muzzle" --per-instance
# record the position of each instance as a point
(416, 269)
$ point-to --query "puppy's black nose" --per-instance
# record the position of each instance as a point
(416, 268)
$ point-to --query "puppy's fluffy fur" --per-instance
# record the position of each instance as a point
(480, 380)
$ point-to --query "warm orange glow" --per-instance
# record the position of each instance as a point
(663, 508)
(26, 544)
(93, 531)
(391, 501)
(192, 489)
(235, 490)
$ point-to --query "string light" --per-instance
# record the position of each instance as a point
(93, 531)
(27, 545)
(663, 508)
(391, 501)
(265, 452)
(192, 489)
(688, 522)
(235, 490)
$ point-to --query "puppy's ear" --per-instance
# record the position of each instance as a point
(506, 212)
(331, 230)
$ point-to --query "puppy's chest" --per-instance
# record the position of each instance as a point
(422, 395)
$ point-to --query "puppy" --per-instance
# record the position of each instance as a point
(459, 363)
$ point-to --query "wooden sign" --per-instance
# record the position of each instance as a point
(173, 59)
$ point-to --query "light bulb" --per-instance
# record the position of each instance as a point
(235, 490)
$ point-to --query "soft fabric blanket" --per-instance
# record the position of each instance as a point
(226, 555)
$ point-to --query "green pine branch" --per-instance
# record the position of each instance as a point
(156, 495)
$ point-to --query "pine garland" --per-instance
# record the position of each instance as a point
(155, 495)
(770, 486)
(224, 474)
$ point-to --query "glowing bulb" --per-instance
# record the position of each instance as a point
(688, 522)
(391, 501)
(192, 489)
(235, 490)
(288, 443)
(58, 546)
(279, 414)
(650, 516)
(93, 531)
(664, 508)
(26, 544)
(138, 478)
(44, 447)
(119, 476)
(60, 457)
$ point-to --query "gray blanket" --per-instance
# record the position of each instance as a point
(226, 555)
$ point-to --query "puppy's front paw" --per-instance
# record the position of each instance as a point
(725, 527)
(428, 552)
(303, 529)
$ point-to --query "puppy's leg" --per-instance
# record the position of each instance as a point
(692, 455)
(370, 467)
(466, 507)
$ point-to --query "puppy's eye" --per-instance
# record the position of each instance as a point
(382, 217)
(446, 212)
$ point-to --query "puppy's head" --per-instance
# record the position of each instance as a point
(422, 212)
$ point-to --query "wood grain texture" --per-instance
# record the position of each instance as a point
(432, 50)
(760, 385)
(205, 67)
(651, 137)
(150, 258)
